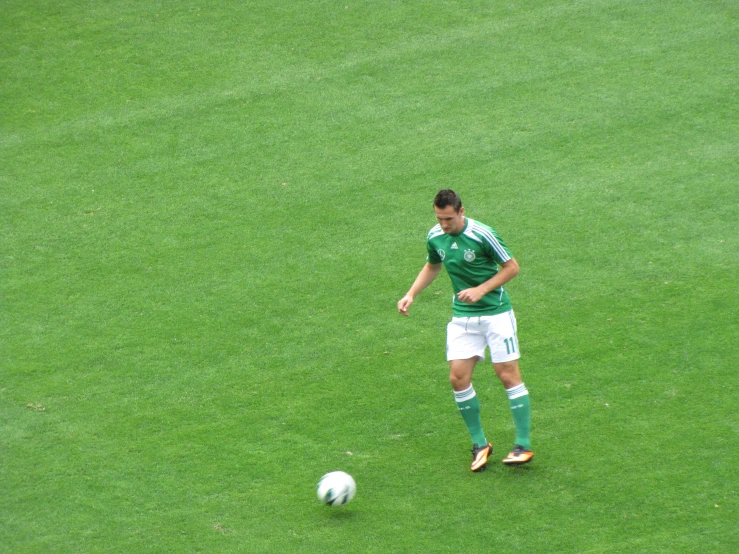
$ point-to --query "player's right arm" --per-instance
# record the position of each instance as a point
(425, 277)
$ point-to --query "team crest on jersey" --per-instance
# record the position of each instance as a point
(469, 255)
(441, 253)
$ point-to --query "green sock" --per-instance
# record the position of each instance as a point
(469, 407)
(518, 397)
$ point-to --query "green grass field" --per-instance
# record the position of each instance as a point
(209, 212)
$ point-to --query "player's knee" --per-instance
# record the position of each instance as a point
(458, 381)
(508, 373)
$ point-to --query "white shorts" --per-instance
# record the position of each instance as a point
(467, 337)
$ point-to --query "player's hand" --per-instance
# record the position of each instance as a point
(470, 296)
(405, 303)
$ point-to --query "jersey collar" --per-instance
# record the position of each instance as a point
(466, 224)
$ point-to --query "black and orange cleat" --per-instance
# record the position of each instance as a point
(480, 456)
(519, 456)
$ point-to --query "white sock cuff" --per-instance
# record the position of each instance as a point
(517, 391)
(464, 395)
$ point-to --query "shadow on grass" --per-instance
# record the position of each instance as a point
(518, 472)
(337, 514)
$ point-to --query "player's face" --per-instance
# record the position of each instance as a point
(451, 222)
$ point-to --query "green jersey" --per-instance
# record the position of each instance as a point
(471, 258)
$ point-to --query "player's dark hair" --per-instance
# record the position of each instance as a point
(448, 197)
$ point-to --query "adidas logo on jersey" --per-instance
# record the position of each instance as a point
(454, 246)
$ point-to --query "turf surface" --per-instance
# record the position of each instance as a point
(210, 209)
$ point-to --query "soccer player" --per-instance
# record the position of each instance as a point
(479, 264)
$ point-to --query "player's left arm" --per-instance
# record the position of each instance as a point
(508, 270)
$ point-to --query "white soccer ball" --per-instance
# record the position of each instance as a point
(336, 488)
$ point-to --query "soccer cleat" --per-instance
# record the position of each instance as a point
(480, 456)
(519, 456)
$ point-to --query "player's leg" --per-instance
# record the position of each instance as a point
(460, 375)
(518, 399)
(503, 344)
(465, 346)
(508, 373)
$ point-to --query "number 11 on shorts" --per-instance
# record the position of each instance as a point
(510, 345)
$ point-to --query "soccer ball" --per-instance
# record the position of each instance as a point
(336, 488)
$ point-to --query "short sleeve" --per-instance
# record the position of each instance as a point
(432, 256)
(495, 246)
